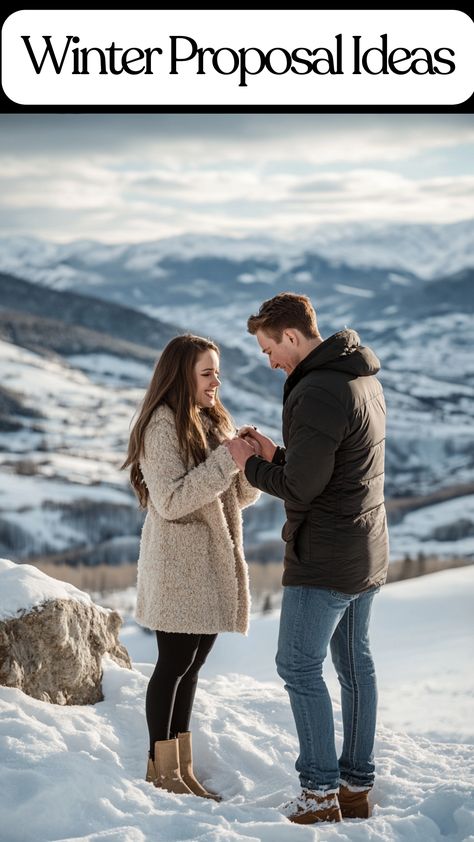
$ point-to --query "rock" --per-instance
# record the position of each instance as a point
(53, 637)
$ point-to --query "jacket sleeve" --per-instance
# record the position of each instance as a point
(246, 493)
(317, 428)
(175, 491)
(279, 457)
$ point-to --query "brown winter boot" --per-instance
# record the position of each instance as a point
(354, 804)
(310, 808)
(164, 771)
(186, 767)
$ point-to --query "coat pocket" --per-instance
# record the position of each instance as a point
(184, 544)
(187, 574)
(192, 575)
(370, 523)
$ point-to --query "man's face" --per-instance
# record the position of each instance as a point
(280, 354)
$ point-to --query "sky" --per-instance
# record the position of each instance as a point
(131, 178)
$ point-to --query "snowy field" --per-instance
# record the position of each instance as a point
(77, 773)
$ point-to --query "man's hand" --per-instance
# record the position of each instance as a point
(240, 450)
(267, 447)
(254, 444)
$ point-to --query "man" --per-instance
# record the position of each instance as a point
(330, 475)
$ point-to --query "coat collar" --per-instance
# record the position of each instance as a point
(340, 352)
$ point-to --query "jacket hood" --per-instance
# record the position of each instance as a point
(340, 352)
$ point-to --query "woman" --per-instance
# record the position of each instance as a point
(192, 578)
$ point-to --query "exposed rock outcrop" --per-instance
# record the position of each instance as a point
(53, 637)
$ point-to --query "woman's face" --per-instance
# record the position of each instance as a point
(206, 378)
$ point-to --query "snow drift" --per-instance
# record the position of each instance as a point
(77, 773)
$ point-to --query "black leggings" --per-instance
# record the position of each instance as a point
(172, 687)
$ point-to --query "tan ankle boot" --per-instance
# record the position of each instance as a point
(310, 808)
(186, 768)
(164, 771)
(150, 772)
(354, 805)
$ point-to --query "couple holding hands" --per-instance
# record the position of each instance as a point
(194, 475)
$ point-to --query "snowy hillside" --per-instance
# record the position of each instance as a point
(77, 773)
(61, 486)
(77, 364)
(67, 399)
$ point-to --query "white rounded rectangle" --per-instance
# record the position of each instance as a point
(238, 57)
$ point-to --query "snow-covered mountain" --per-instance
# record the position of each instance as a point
(81, 325)
(425, 250)
(77, 772)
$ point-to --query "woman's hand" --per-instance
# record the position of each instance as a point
(266, 446)
(240, 450)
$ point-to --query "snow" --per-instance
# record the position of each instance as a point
(416, 625)
(24, 491)
(402, 280)
(415, 532)
(23, 587)
(36, 505)
(427, 250)
(107, 369)
(348, 290)
(74, 450)
(77, 773)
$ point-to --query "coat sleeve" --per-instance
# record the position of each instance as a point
(175, 491)
(317, 428)
(246, 493)
(279, 457)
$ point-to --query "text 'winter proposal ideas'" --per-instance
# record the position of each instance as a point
(243, 63)
(226, 57)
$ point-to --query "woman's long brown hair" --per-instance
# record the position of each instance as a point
(173, 382)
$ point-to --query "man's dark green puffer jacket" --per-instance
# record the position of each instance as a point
(331, 472)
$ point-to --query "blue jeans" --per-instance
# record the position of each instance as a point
(311, 619)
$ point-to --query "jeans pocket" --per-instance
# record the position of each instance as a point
(341, 595)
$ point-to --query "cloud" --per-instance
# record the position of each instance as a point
(124, 178)
(189, 140)
(155, 184)
(454, 187)
(320, 185)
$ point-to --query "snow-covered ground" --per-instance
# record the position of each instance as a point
(418, 626)
(77, 773)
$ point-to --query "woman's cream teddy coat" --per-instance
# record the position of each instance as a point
(192, 576)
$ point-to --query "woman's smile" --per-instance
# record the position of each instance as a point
(206, 370)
